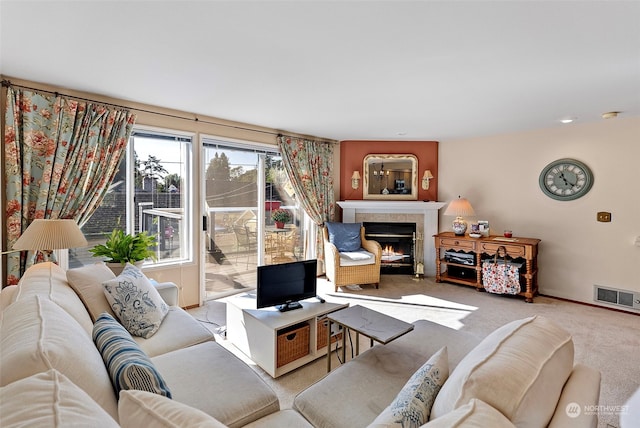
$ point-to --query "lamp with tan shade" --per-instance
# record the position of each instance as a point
(459, 208)
(46, 235)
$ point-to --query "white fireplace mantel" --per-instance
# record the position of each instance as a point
(429, 211)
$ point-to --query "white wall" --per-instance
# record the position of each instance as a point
(499, 176)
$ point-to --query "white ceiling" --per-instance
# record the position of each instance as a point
(421, 70)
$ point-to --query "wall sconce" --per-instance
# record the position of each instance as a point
(425, 179)
(355, 180)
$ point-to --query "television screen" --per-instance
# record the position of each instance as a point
(283, 285)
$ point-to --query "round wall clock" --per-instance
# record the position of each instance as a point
(566, 179)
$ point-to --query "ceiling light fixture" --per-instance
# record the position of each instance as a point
(610, 115)
(567, 120)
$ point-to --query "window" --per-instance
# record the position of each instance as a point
(243, 184)
(150, 192)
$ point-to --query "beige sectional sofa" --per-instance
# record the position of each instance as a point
(45, 326)
(523, 374)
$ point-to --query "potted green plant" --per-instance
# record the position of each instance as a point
(122, 247)
(280, 216)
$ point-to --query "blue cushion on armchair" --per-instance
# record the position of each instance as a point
(345, 236)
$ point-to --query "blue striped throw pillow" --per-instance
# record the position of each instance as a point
(127, 364)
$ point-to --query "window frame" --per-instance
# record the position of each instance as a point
(186, 197)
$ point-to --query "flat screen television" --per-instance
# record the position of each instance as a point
(284, 285)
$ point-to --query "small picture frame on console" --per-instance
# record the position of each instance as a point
(483, 227)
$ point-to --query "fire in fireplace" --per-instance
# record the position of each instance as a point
(397, 241)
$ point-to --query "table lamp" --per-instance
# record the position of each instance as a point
(459, 207)
(46, 235)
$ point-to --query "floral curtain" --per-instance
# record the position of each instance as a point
(309, 165)
(61, 155)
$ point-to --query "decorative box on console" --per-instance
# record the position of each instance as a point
(460, 258)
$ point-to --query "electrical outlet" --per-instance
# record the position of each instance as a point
(604, 217)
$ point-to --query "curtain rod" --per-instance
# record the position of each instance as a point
(7, 83)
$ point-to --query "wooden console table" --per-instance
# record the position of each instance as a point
(525, 249)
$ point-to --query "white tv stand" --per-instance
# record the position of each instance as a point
(255, 331)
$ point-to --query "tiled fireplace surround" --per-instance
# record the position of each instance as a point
(423, 214)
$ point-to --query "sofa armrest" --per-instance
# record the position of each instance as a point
(581, 392)
(168, 291)
(6, 296)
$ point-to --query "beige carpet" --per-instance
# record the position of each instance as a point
(604, 339)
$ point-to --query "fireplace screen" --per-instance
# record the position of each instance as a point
(398, 244)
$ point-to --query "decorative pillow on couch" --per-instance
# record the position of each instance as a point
(141, 408)
(37, 335)
(87, 282)
(412, 405)
(519, 369)
(127, 364)
(475, 414)
(345, 236)
(50, 399)
(136, 302)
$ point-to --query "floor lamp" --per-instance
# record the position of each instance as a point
(46, 235)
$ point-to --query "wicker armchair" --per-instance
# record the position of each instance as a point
(346, 275)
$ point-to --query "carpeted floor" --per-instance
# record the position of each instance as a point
(604, 339)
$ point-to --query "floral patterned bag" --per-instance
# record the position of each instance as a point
(500, 276)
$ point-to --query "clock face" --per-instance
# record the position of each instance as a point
(566, 179)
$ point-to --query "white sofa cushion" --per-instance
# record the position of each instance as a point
(37, 335)
(283, 418)
(189, 375)
(87, 283)
(475, 414)
(178, 330)
(128, 366)
(136, 302)
(519, 369)
(412, 405)
(49, 279)
(49, 399)
(145, 409)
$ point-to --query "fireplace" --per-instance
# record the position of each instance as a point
(398, 245)
(423, 214)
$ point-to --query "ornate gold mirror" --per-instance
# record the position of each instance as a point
(390, 177)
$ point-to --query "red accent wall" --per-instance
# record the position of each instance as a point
(352, 153)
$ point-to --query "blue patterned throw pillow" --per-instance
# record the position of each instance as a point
(345, 236)
(136, 302)
(128, 366)
(412, 406)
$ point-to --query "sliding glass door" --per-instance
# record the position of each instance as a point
(243, 185)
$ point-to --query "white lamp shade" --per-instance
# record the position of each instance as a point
(459, 208)
(356, 175)
(47, 234)
(427, 175)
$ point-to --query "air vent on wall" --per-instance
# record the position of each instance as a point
(613, 296)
